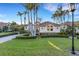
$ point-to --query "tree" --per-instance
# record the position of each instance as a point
(15, 27)
(25, 12)
(20, 15)
(32, 11)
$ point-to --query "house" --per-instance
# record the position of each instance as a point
(49, 27)
(66, 24)
(44, 27)
(4, 26)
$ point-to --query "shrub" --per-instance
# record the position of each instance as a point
(62, 36)
(26, 34)
(26, 37)
(77, 33)
(50, 34)
(24, 31)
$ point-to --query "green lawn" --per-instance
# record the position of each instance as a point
(3, 33)
(37, 47)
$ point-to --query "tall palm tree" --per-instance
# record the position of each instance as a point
(67, 13)
(29, 7)
(25, 17)
(36, 10)
(20, 14)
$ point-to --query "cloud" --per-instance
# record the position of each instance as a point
(65, 6)
(2, 15)
(50, 7)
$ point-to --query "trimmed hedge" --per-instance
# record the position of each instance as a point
(77, 33)
(77, 37)
(62, 36)
(24, 31)
(50, 34)
(26, 34)
(7, 34)
(26, 37)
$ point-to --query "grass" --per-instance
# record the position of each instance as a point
(35, 47)
(2, 34)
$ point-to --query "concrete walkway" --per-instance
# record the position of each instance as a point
(7, 38)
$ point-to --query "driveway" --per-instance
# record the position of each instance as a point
(7, 38)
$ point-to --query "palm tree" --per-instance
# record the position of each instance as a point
(29, 7)
(67, 13)
(25, 17)
(20, 15)
(36, 10)
(56, 16)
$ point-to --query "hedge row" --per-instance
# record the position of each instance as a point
(8, 34)
(34, 37)
(26, 37)
(62, 36)
(50, 34)
(77, 37)
(26, 34)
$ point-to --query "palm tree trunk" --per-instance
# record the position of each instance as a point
(31, 16)
(63, 18)
(21, 19)
(25, 20)
(34, 16)
(28, 17)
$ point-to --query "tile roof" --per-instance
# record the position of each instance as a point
(46, 23)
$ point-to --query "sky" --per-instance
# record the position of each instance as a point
(8, 11)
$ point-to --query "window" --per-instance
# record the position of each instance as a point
(48, 29)
(48, 26)
(51, 29)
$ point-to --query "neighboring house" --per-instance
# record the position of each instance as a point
(49, 27)
(45, 27)
(4, 26)
(64, 25)
(76, 25)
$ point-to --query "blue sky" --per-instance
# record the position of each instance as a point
(8, 11)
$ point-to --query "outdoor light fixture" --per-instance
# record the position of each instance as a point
(72, 9)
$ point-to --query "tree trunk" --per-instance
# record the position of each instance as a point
(21, 19)
(31, 16)
(28, 17)
(34, 16)
(24, 19)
